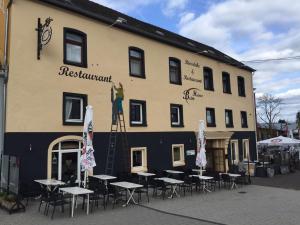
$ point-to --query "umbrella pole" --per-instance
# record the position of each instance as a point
(85, 177)
(200, 170)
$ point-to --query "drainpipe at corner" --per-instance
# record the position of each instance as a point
(3, 82)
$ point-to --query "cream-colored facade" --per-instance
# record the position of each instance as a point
(34, 99)
(36, 88)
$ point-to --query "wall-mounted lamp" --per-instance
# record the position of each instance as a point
(161, 141)
(204, 51)
(119, 20)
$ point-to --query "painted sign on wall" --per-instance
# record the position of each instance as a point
(190, 76)
(190, 152)
(66, 71)
(191, 94)
(194, 64)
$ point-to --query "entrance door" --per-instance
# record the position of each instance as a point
(66, 160)
(215, 159)
(69, 162)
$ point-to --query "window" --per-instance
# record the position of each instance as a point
(175, 71)
(176, 115)
(244, 119)
(234, 144)
(178, 155)
(75, 47)
(241, 86)
(208, 79)
(139, 159)
(137, 113)
(210, 117)
(136, 62)
(74, 108)
(245, 149)
(228, 118)
(226, 82)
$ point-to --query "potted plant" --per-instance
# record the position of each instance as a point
(2, 197)
(8, 201)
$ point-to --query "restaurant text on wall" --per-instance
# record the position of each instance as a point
(66, 71)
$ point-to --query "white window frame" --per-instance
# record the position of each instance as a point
(236, 144)
(81, 109)
(144, 167)
(178, 116)
(181, 162)
(141, 113)
(64, 151)
(245, 156)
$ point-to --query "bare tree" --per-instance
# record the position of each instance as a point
(269, 109)
(298, 123)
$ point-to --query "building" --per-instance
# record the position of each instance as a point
(278, 129)
(170, 83)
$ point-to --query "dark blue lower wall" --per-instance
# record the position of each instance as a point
(251, 136)
(32, 148)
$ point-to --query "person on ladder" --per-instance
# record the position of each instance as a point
(119, 97)
(117, 107)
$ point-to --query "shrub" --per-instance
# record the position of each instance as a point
(10, 198)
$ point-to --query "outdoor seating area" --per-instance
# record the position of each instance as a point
(279, 155)
(102, 191)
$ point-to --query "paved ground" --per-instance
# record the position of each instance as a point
(132, 215)
(289, 181)
(256, 205)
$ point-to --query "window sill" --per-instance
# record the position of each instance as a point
(138, 125)
(244, 126)
(229, 93)
(178, 163)
(176, 83)
(177, 125)
(83, 65)
(139, 169)
(211, 125)
(209, 89)
(229, 126)
(73, 123)
(138, 76)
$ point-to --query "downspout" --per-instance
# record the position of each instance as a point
(3, 82)
(255, 117)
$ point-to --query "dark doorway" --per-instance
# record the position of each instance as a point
(215, 159)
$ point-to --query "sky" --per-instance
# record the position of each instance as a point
(245, 29)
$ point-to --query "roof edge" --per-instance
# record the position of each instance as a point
(61, 4)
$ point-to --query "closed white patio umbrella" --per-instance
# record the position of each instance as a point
(87, 160)
(201, 156)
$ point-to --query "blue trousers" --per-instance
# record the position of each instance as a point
(119, 105)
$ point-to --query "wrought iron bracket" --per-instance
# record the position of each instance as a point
(44, 34)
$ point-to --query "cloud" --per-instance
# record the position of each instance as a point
(125, 6)
(186, 18)
(170, 7)
(250, 30)
(290, 93)
(242, 20)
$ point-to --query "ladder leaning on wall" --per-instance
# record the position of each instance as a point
(117, 122)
